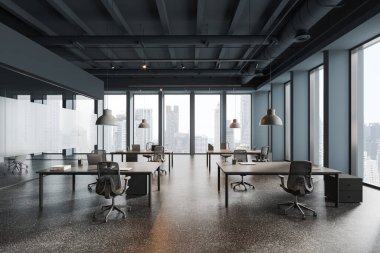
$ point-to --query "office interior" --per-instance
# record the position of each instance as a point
(189, 68)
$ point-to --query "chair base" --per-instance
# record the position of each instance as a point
(89, 186)
(149, 157)
(237, 185)
(110, 208)
(159, 170)
(225, 157)
(297, 205)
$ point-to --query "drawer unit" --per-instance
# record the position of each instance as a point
(350, 188)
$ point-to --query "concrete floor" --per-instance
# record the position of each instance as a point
(187, 215)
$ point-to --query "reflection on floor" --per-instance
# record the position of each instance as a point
(187, 215)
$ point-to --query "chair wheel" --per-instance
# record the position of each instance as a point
(315, 214)
(89, 188)
(303, 217)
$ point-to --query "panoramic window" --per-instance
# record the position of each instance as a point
(207, 121)
(145, 107)
(115, 136)
(365, 97)
(239, 107)
(316, 116)
(177, 123)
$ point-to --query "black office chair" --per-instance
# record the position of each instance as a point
(299, 183)
(94, 158)
(224, 146)
(109, 184)
(240, 155)
(159, 156)
(263, 156)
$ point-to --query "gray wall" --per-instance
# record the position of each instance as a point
(337, 92)
(260, 106)
(300, 115)
(278, 134)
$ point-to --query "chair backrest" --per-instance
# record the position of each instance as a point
(153, 147)
(101, 152)
(135, 147)
(224, 145)
(210, 147)
(94, 159)
(300, 170)
(148, 145)
(109, 180)
(264, 151)
(159, 154)
(240, 155)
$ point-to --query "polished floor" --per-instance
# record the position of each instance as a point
(187, 215)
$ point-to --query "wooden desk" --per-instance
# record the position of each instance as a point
(269, 168)
(144, 152)
(138, 168)
(226, 151)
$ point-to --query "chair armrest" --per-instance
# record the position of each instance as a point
(311, 187)
(126, 186)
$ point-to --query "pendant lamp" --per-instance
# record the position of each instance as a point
(271, 118)
(107, 119)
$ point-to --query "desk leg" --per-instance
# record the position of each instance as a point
(112, 157)
(206, 159)
(73, 183)
(209, 163)
(41, 192)
(218, 179)
(172, 159)
(122, 158)
(158, 180)
(226, 188)
(150, 187)
(337, 190)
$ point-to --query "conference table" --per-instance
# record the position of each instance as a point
(226, 151)
(269, 168)
(126, 168)
(143, 152)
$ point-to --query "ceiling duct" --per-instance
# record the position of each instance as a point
(309, 14)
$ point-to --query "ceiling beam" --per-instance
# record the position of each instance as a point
(163, 40)
(201, 6)
(165, 25)
(238, 13)
(116, 15)
(36, 24)
(169, 60)
(73, 18)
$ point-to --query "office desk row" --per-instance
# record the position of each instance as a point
(225, 151)
(134, 168)
(143, 152)
(269, 168)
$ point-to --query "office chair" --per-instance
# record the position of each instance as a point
(109, 185)
(17, 163)
(299, 183)
(240, 155)
(159, 156)
(148, 147)
(224, 146)
(95, 157)
(263, 156)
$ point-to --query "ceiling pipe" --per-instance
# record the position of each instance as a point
(146, 40)
(165, 72)
(309, 14)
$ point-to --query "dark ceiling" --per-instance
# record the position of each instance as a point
(184, 42)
